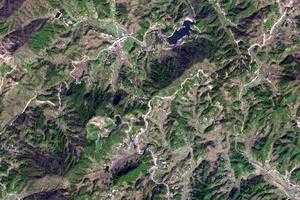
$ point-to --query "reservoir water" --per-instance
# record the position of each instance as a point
(183, 31)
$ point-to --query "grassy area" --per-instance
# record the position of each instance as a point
(132, 175)
(4, 27)
(240, 164)
(103, 8)
(43, 38)
(96, 151)
(4, 69)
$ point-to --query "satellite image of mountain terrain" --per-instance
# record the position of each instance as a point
(149, 99)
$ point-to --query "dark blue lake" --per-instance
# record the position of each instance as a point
(183, 31)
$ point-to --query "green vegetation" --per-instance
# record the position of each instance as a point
(240, 164)
(4, 27)
(99, 100)
(296, 175)
(144, 26)
(4, 69)
(257, 186)
(96, 151)
(286, 152)
(103, 8)
(42, 39)
(134, 174)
